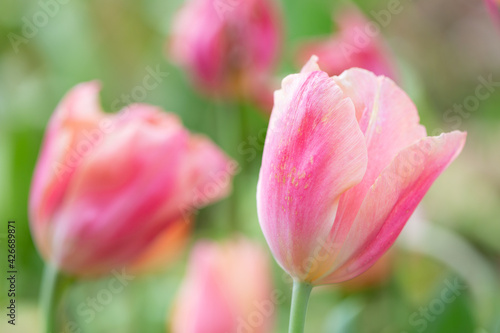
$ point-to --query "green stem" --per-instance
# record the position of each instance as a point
(53, 286)
(244, 128)
(239, 180)
(300, 298)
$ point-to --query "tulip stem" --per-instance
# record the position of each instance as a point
(300, 298)
(53, 286)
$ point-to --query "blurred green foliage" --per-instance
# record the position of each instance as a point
(442, 49)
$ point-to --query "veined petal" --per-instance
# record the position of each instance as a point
(391, 201)
(390, 123)
(314, 152)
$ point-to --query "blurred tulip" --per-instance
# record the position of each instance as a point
(228, 46)
(106, 186)
(164, 249)
(494, 8)
(227, 289)
(355, 45)
(376, 276)
(345, 164)
(262, 94)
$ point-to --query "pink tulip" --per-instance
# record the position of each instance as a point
(357, 44)
(227, 289)
(228, 46)
(106, 185)
(345, 164)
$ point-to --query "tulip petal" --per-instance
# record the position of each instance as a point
(314, 152)
(390, 123)
(76, 116)
(391, 201)
(311, 65)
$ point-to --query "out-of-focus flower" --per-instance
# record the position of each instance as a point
(227, 289)
(374, 277)
(164, 249)
(262, 93)
(355, 45)
(228, 46)
(345, 164)
(494, 8)
(106, 186)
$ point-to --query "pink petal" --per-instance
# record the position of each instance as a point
(314, 152)
(391, 201)
(78, 114)
(390, 123)
(311, 65)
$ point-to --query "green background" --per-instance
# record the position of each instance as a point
(442, 49)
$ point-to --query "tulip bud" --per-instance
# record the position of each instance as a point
(345, 164)
(358, 43)
(228, 46)
(227, 289)
(107, 185)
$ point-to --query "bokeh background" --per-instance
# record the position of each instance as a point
(442, 48)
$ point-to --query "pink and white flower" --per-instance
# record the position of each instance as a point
(107, 185)
(345, 164)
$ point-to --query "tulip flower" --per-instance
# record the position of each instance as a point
(228, 46)
(227, 289)
(357, 44)
(345, 164)
(106, 186)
